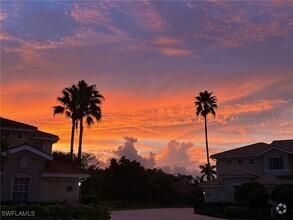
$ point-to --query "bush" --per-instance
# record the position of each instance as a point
(258, 198)
(210, 211)
(283, 193)
(276, 191)
(89, 199)
(222, 204)
(239, 212)
(245, 189)
(62, 211)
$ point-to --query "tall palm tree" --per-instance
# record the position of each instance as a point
(89, 108)
(206, 104)
(206, 171)
(69, 107)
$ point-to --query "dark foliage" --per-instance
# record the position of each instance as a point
(245, 189)
(88, 161)
(61, 211)
(89, 199)
(283, 193)
(127, 181)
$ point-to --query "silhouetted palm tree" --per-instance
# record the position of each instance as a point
(205, 104)
(90, 108)
(69, 106)
(206, 171)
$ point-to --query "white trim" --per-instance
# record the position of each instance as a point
(276, 148)
(69, 175)
(28, 148)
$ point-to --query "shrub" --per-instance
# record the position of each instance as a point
(245, 189)
(276, 191)
(222, 204)
(89, 199)
(210, 211)
(258, 198)
(283, 193)
(239, 212)
(62, 211)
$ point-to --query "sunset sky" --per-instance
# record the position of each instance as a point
(150, 59)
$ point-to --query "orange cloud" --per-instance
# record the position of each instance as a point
(166, 40)
(175, 52)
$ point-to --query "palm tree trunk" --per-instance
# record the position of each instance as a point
(80, 140)
(207, 148)
(72, 139)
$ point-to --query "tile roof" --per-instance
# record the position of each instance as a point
(15, 124)
(42, 134)
(256, 149)
(55, 166)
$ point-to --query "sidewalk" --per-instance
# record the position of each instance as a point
(159, 214)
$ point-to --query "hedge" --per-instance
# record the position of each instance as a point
(89, 199)
(239, 212)
(59, 211)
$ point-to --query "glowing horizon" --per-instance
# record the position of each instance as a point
(149, 60)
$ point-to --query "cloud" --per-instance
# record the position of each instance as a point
(176, 153)
(175, 52)
(166, 41)
(129, 151)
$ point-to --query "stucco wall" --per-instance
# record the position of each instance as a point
(14, 141)
(215, 194)
(258, 167)
(41, 189)
(11, 169)
(54, 190)
(273, 173)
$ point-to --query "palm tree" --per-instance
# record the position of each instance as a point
(69, 107)
(90, 101)
(205, 104)
(207, 171)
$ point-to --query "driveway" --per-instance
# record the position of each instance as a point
(159, 214)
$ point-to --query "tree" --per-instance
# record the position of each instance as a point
(206, 170)
(89, 100)
(69, 107)
(206, 104)
(88, 161)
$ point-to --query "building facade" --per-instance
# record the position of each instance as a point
(28, 170)
(267, 164)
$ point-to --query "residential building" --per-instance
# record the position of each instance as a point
(28, 170)
(267, 164)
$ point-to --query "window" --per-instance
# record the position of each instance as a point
(38, 144)
(229, 162)
(19, 136)
(7, 135)
(23, 162)
(251, 161)
(275, 163)
(20, 189)
(240, 162)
